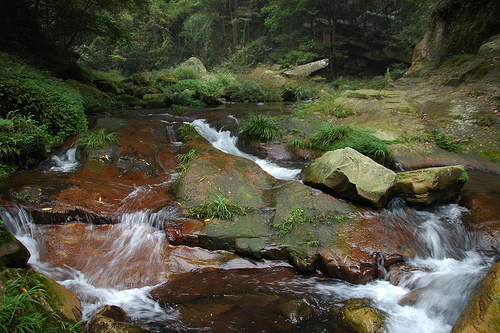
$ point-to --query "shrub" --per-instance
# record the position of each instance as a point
(260, 128)
(47, 100)
(22, 140)
(252, 89)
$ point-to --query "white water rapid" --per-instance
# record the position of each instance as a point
(224, 141)
(65, 162)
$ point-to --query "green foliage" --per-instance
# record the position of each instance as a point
(464, 177)
(261, 128)
(445, 142)
(185, 73)
(297, 144)
(96, 139)
(184, 159)
(220, 208)
(332, 137)
(22, 141)
(23, 309)
(185, 130)
(50, 102)
(252, 89)
(327, 135)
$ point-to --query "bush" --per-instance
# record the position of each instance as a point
(22, 140)
(49, 101)
(327, 135)
(252, 89)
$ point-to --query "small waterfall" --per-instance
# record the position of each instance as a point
(172, 136)
(133, 247)
(432, 297)
(224, 141)
(65, 162)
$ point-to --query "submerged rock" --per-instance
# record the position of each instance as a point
(112, 319)
(362, 318)
(431, 185)
(482, 313)
(351, 175)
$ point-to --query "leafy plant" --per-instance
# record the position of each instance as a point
(258, 127)
(23, 309)
(184, 130)
(185, 158)
(220, 208)
(96, 139)
(252, 89)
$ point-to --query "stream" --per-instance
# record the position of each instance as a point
(122, 264)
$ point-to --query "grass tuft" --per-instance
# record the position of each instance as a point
(220, 208)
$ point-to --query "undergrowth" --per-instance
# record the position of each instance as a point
(260, 128)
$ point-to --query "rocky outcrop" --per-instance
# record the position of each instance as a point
(307, 69)
(461, 26)
(482, 312)
(12, 252)
(431, 185)
(283, 220)
(350, 174)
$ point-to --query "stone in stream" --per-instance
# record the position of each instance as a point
(431, 185)
(12, 252)
(350, 174)
(360, 317)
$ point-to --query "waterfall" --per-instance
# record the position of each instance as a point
(224, 141)
(431, 298)
(65, 162)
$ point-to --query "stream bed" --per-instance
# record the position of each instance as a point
(166, 288)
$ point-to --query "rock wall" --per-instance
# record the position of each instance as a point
(460, 26)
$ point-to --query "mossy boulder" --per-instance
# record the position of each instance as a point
(12, 252)
(141, 80)
(482, 313)
(349, 174)
(431, 185)
(362, 318)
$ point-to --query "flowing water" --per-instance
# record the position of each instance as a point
(130, 265)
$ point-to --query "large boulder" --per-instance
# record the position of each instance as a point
(307, 69)
(195, 64)
(482, 313)
(431, 185)
(350, 174)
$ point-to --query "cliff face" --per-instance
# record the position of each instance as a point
(461, 26)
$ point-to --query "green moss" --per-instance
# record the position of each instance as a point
(464, 177)
(493, 155)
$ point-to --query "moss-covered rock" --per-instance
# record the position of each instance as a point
(482, 313)
(112, 319)
(362, 318)
(12, 252)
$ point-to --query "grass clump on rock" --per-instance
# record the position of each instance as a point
(219, 208)
(96, 139)
(260, 128)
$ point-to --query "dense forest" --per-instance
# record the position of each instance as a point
(140, 35)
